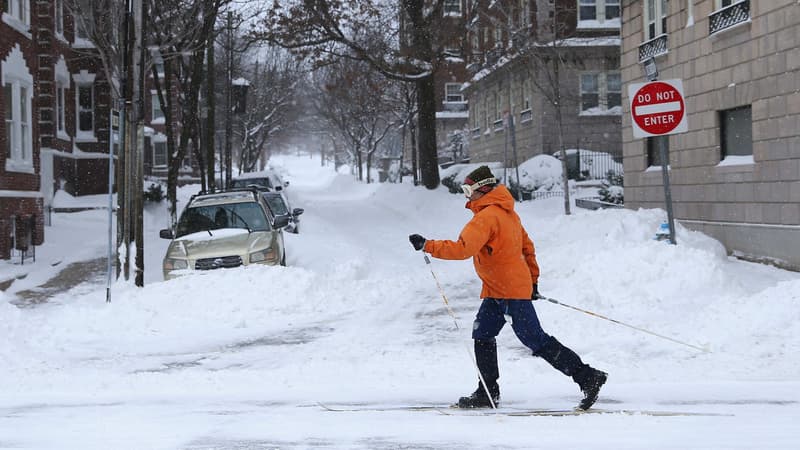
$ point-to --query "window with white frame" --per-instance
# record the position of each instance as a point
(453, 93)
(601, 93)
(655, 18)
(61, 108)
(598, 13)
(19, 10)
(452, 7)
(60, 98)
(524, 12)
(85, 109)
(157, 113)
(17, 102)
(59, 19)
(159, 150)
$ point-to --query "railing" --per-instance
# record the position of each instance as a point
(498, 125)
(21, 237)
(653, 47)
(476, 133)
(525, 116)
(729, 16)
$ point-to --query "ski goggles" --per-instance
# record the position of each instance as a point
(470, 189)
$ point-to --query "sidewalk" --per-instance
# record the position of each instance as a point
(69, 277)
(73, 252)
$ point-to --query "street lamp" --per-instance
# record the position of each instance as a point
(240, 87)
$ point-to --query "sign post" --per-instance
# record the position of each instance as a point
(113, 134)
(658, 109)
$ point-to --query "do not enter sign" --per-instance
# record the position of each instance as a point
(657, 108)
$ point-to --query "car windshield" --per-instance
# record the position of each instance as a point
(247, 215)
(245, 182)
(276, 205)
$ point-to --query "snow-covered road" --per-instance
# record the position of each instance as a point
(238, 359)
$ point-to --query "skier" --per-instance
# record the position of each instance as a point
(505, 260)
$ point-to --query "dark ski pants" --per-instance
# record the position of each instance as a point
(491, 318)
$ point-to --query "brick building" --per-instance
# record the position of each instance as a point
(21, 202)
(735, 174)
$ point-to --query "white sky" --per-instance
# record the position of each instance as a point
(239, 358)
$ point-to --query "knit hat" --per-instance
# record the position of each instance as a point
(482, 176)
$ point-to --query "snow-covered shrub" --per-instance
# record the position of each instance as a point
(154, 193)
(612, 190)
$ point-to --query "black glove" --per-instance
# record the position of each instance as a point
(535, 295)
(417, 241)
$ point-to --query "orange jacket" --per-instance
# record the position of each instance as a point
(502, 252)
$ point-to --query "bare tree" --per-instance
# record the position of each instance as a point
(403, 40)
(179, 33)
(271, 104)
(362, 106)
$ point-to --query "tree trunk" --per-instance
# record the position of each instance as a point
(428, 159)
(562, 150)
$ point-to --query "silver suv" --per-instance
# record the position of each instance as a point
(223, 230)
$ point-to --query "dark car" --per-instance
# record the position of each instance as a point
(278, 207)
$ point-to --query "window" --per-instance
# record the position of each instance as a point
(654, 150)
(8, 101)
(157, 112)
(736, 132)
(655, 16)
(601, 93)
(17, 104)
(453, 92)
(590, 92)
(59, 19)
(85, 102)
(19, 9)
(613, 90)
(598, 13)
(160, 153)
(452, 7)
(61, 95)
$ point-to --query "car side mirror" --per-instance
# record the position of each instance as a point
(278, 188)
(165, 234)
(281, 222)
(298, 211)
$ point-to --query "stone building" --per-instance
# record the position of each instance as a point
(735, 174)
(513, 49)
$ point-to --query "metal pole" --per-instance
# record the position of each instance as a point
(552, 300)
(110, 200)
(662, 148)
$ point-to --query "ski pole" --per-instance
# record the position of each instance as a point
(552, 300)
(455, 321)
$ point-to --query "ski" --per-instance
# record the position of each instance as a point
(452, 410)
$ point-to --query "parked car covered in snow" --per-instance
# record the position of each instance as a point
(224, 230)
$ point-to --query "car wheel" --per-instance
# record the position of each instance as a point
(283, 260)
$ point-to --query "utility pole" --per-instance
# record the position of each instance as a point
(211, 109)
(138, 184)
(130, 173)
(123, 186)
